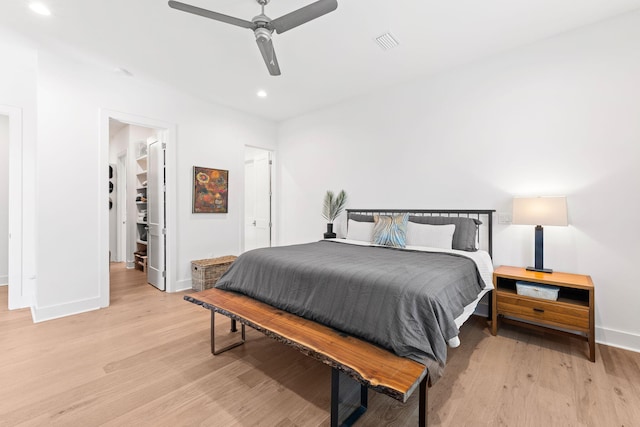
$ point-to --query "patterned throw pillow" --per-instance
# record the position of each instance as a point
(390, 230)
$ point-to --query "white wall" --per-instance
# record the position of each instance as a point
(118, 143)
(70, 97)
(559, 117)
(4, 199)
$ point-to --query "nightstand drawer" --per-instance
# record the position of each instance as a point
(552, 313)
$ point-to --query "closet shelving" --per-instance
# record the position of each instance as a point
(140, 255)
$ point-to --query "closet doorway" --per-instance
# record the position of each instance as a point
(20, 292)
(258, 217)
(137, 199)
(4, 200)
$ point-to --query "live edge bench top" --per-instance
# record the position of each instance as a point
(370, 365)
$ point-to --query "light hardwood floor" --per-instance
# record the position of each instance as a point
(145, 361)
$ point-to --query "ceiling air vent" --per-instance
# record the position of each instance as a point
(386, 41)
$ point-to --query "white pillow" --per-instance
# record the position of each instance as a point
(362, 231)
(429, 235)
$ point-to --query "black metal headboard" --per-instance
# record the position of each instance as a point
(485, 231)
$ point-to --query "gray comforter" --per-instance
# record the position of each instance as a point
(405, 301)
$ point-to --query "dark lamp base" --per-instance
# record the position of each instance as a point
(540, 270)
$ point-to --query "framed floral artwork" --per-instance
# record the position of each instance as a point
(210, 190)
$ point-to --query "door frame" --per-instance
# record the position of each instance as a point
(167, 135)
(18, 297)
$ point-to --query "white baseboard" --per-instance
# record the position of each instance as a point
(41, 314)
(4, 280)
(610, 337)
(182, 285)
(620, 339)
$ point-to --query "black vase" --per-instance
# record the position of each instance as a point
(329, 234)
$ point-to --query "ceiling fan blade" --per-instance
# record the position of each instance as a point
(269, 55)
(211, 15)
(302, 15)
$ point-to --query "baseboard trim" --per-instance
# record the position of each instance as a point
(611, 337)
(42, 314)
(619, 339)
(182, 285)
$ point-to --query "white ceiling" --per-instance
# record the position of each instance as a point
(323, 62)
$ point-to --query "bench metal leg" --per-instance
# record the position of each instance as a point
(422, 418)
(233, 329)
(335, 402)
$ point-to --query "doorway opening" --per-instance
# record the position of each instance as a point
(136, 227)
(258, 202)
(137, 199)
(4, 200)
(20, 292)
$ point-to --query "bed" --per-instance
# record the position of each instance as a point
(409, 300)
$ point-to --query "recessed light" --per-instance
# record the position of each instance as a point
(40, 8)
(261, 94)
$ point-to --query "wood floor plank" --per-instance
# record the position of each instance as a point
(146, 361)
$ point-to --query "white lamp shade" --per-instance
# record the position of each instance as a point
(540, 211)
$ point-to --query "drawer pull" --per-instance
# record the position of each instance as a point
(539, 310)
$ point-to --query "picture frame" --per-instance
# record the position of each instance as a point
(210, 190)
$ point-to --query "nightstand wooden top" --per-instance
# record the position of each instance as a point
(578, 281)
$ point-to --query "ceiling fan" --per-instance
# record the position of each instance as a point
(263, 26)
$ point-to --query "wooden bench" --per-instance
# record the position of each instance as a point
(371, 366)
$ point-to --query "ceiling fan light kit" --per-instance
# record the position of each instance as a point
(263, 26)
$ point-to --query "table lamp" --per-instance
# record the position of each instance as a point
(540, 211)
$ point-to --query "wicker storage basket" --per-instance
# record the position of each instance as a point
(206, 272)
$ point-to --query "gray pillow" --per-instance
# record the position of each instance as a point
(361, 218)
(464, 237)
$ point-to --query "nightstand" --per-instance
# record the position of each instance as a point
(572, 313)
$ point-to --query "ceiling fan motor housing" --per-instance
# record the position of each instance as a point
(262, 33)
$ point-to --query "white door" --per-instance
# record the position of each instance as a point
(4, 199)
(257, 200)
(155, 216)
(121, 208)
(18, 296)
